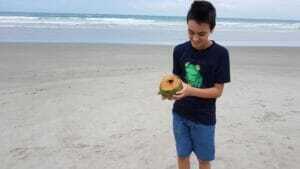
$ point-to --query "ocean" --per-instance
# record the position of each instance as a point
(140, 29)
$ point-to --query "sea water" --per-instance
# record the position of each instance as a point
(141, 29)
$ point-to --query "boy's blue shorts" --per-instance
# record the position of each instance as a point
(193, 137)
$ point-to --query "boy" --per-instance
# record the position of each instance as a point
(203, 66)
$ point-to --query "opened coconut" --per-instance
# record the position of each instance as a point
(169, 85)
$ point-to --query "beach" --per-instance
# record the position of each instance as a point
(91, 106)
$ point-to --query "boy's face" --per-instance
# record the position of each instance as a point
(198, 34)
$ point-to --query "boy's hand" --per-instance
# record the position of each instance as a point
(186, 91)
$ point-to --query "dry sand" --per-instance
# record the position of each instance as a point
(92, 106)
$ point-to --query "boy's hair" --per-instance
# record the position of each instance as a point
(202, 12)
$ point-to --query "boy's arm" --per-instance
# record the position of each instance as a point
(208, 93)
(176, 66)
(213, 92)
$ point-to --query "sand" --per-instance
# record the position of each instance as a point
(91, 106)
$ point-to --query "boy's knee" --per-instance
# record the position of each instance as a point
(184, 158)
(202, 162)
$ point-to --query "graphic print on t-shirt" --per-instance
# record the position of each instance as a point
(193, 75)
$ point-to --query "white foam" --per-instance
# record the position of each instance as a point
(263, 26)
(137, 23)
(20, 21)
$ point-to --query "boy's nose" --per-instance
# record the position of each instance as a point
(196, 38)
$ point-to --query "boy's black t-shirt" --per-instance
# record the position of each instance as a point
(200, 69)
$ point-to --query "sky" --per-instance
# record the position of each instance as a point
(271, 9)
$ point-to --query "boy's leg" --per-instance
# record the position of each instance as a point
(203, 137)
(204, 164)
(183, 162)
(183, 141)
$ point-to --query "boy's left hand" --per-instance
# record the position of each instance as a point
(185, 91)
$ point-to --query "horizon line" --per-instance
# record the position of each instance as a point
(120, 14)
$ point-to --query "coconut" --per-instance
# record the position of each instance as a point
(169, 85)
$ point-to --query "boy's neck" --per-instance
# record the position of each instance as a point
(207, 45)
